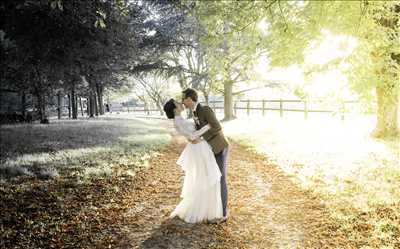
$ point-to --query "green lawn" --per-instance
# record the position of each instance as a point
(84, 147)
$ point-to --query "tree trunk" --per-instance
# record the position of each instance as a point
(387, 113)
(228, 101)
(88, 105)
(81, 105)
(42, 107)
(73, 103)
(96, 106)
(23, 104)
(76, 104)
(91, 105)
(99, 89)
(228, 84)
(41, 97)
(59, 105)
(69, 106)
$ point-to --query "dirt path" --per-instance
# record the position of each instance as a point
(266, 209)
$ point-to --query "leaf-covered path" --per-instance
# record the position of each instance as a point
(267, 210)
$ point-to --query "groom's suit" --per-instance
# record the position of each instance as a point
(204, 115)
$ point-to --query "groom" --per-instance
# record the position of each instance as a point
(204, 115)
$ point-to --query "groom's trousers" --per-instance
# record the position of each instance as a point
(221, 159)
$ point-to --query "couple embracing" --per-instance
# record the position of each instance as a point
(204, 161)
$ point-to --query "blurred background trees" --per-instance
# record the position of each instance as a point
(288, 32)
(80, 50)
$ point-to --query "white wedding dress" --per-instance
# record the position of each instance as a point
(201, 191)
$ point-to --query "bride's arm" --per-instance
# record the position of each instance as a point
(184, 126)
(196, 134)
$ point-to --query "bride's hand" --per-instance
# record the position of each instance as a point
(195, 141)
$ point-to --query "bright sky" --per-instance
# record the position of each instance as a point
(332, 47)
(320, 84)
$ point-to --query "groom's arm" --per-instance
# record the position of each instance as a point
(197, 134)
(212, 121)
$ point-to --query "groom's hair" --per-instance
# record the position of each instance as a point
(190, 93)
(169, 108)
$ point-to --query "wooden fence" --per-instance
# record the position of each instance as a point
(250, 107)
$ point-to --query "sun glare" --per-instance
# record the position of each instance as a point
(330, 48)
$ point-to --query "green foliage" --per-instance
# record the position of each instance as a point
(375, 25)
(293, 28)
(231, 38)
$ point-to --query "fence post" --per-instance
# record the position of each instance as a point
(263, 107)
(248, 107)
(214, 106)
(305, 110)
(281, 107)
(235, 107)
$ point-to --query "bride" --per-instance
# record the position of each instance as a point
(201, 192)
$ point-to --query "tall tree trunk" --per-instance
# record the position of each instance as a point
(59, 105)
(76, 104)
(23, 104)
(88, 105)
(69, 106)
(80, 104)
(96, 106)
(42, 107)
(73, 103)
(228, 101)
(99, 89)
(91, 105)
(228, 84)
(387, 113)
(41, 97)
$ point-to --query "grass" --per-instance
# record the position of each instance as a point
(83, 148)
(356, 175)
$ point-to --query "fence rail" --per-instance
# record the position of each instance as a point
(262, 106)
(285, 105)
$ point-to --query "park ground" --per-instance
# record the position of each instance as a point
(111, 182)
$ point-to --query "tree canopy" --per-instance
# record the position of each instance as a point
(292, 28)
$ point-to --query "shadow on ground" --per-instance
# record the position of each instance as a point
(178, 234)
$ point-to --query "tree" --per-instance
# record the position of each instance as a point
(374, 63)
(188, 62)
(52, 41)
(232, 43)
(152, 87)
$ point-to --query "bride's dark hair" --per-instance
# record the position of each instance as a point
(169, 108)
